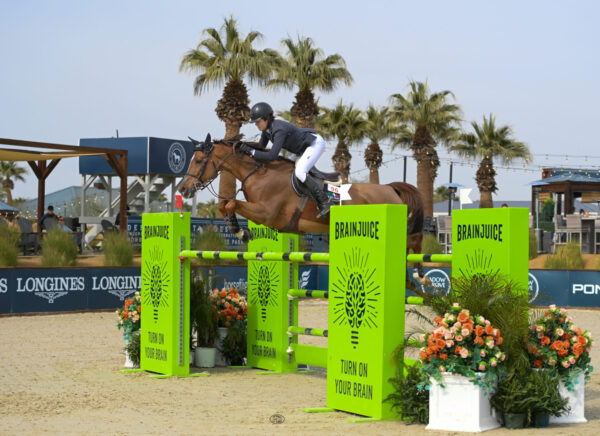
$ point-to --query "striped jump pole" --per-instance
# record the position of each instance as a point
(426, 258)
(274, 256)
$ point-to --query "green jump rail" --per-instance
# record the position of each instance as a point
(433, 258)
(308, 293)
(292, 256)
(295, 330)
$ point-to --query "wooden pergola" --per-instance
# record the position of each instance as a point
(568, 184)
(43, 163)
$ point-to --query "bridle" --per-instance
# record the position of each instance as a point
(207, 148)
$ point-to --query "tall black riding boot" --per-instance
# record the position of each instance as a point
(324, 201)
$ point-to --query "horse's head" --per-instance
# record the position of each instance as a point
(201, 171)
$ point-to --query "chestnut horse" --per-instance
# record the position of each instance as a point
(271, 199)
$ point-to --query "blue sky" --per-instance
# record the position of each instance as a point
(72, 69)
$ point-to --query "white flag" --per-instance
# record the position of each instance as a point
(344, 192)
(464, 196)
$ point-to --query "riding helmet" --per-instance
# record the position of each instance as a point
(260, 110)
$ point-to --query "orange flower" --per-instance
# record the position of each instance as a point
(499, 340)
(537, 363)
(489, 329)
(424, 355)
(478, 340)
(577, 350)
(545, 340)
(562, 352)
(463, 317)
(440, 343)
(479, 330)
(457, 349)
(581, 340)
(443, 356)
(532, 349)
(437, 319)
(468, 326)
(566, 336)
(497, 333)
(556, 345)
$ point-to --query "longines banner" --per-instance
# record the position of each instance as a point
(62, 289)
(25, 290)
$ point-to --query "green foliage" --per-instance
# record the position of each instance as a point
(530, 392)
(566, 257)
(498, 300)
(543, 390)
(9, 246)
(512, 394)
(202, 314)
(58, 249)
(410, 398)
(533, 245)
(209, 240)
(118, 251)
(431, 245)
(233, 346)
(547, 215)
(134, 348)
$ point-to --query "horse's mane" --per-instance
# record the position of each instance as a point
(238, 138)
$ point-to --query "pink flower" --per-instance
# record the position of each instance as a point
(459, 338)
(493, 362)
(449, 344)
(490, 343)
(540, 335)
(465, 332)
(455, 305)
(457, 325)
(442, 369)
(552, 306)
(572, 360)
(487, 322)
(482, 366)
(539, 328)
(482, 353)
(498, 355)
(551, 362)
(447, 335)
(560, 332)
(563, 310)
(464, 353)
(565, 363)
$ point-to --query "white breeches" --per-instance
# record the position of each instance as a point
(310, 157)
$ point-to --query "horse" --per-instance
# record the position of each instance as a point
(272, 201)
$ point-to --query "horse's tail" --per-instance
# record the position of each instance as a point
(414, 203)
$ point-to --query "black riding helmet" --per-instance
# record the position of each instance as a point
(260, 110)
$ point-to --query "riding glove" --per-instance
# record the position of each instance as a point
(245, 148)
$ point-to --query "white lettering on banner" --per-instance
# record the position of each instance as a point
(50, 284)
(120, 286)
(3, 286)
(586, 288)
(240, 285)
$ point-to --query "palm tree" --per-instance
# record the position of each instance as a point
(306, 68)
(208, 209)
(226, 57)
(429, 120)
(377, 128)
(9, 173)
(489, 142)
(347, 124)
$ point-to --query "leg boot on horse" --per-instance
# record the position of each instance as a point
(324, 201)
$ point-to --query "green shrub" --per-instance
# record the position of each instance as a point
(134, 348)
(9, 246)
(410, 398)
(566, 257)
(118, 251)
(58, 249)
(209, 240)
(431, 245)
(533, 245)
(233, 346)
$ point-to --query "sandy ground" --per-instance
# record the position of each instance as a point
(59, 374)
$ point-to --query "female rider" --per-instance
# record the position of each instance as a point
(306, 143)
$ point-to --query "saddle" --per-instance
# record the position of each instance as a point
(330, 183)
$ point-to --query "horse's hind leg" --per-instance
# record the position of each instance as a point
(415, 241)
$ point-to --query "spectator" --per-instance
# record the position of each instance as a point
(118, 218)
(62, 226)
(48, 214)
(504, 205)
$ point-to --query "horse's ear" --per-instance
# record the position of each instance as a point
(208, 145)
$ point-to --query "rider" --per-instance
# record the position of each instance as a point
(306, 143)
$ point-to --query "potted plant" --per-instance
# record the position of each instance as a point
(512, 399)
(463, 359)
(545, 397)
(558, 345)
(130, 322)
(231, 309)
(203, 323)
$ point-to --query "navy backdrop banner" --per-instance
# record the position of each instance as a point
(137, 155)
(25, 290)
(169, 157)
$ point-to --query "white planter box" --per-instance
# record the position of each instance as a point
(460, 406)
(576, 403)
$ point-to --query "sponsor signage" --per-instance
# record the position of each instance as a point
(24, 290)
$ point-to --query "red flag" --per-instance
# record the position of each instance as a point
(179, 202)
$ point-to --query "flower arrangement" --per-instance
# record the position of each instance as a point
(229, 305)
(556, 343)
(130, 315)
(466, 345)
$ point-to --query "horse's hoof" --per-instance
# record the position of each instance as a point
(424, 281)
(246, 235)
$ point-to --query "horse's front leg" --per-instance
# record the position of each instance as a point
(415, 241)
(251, 211)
